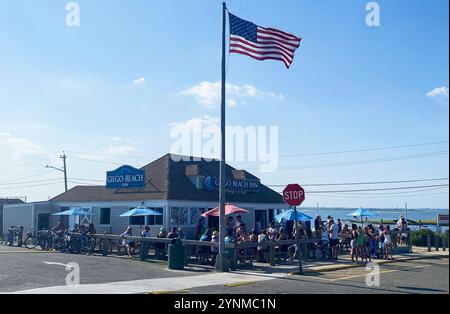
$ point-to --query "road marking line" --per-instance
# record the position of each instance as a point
(237, 284)
(170, 291)
(58, 264)
(25, 252)
(356, 276)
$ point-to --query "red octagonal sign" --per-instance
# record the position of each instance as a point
(294, 195)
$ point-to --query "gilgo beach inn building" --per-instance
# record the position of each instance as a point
(180, 188)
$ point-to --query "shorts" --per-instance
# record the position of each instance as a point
(128, 244)
(334, 242)
(354, 244)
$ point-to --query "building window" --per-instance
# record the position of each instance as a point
(179, 216)
(156, 220)
(136, 221)
(195, 214)
(105, 216)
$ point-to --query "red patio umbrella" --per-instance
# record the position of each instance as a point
(229, 210)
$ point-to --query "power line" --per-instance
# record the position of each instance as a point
(373, 172)
(379, 189)
(404, 193)
(366, 149)
(98, 161)
(32, 186)
(29, 182)
(389, 196)
(367, 161)
(363, 183)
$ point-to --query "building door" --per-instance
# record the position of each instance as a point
(260, 220)
(43, 222)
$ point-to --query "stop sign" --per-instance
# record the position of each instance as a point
(294, 195)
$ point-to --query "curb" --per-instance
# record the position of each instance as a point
(342, 267)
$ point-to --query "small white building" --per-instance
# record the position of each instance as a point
(180, 188)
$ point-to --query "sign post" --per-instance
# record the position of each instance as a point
(294, 195)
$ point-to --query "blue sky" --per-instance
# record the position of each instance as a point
(114, 86)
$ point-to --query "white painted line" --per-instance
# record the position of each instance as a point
(148, 285)
(58, 264)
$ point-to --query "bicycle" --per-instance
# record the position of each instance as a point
(43, 239)
(81, 244)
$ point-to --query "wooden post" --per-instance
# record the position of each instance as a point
(105, 246)
(429, 242)
(234, 259)
(143, 251)
(436, 241)
(271, 254)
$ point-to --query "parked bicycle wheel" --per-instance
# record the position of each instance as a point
(31, 242)
(90, 245)
(60, 245)
(75, 246)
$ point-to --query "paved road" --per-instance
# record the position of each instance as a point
(38, 272)
(21, 270)
(418, 276)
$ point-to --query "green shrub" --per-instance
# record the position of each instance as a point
(419, 237)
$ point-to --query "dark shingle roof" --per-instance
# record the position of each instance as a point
(167, 179)
(9, 201)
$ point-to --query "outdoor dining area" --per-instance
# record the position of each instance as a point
(291, 236)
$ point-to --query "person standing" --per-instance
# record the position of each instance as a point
(354, 243)
(333, 230)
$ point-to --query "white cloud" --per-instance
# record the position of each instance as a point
(20, 147)
(122, 150)
(207, 94)
(232, 103)
(140, 81)
(205, 123)
(439, 92)
(121, 139)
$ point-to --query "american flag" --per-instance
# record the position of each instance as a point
(262, 43)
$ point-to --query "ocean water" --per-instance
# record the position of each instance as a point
(385, 214)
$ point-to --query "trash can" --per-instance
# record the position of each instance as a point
(176, 255)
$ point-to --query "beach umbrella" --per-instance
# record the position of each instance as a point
(140, 211)
(290, 215)
(74, 212)
(361, 212)
(229, 210)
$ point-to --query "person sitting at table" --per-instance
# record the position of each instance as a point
(146, 232)
(160, 248)
(214, 249)
(173, 234)
(204, 251)
(91, 229)
(181, 234)
(127, 242)
(76, 228)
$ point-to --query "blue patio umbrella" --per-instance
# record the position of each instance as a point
(76, 211)
(141, 211)
(361, 212)
(290, 215)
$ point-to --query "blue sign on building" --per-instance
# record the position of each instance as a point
(125, 177)
(232, 185)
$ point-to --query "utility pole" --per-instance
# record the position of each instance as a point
(63, 170)
(64, 157)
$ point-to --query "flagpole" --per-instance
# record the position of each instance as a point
(221, 261)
